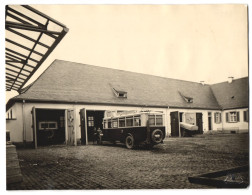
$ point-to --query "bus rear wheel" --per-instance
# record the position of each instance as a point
(157, 136)
(129, 142)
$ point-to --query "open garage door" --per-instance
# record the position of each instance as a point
(83, 126)
(71, 132)
(34, 127)
(48, 126)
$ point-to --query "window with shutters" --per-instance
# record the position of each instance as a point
(245, 116)
(232, 117)
(217, 117)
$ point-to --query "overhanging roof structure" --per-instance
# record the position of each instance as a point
(30, 37)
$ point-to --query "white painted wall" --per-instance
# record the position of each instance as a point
(16, 126)
(241, 125)
(204, 118)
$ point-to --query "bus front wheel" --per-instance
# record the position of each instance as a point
(129, 141)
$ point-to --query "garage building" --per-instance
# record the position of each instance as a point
(68, 100)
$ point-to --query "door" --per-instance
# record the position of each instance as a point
(209, 121)
(199, 122)
(174, 124)
(70, 127)
(34, 127)
(83, 126)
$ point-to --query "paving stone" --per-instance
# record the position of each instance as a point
(166, 166)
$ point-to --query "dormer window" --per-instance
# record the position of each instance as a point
(120, 94)
(186, 98)
(189, 99)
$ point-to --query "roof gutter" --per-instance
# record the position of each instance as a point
(109, 103)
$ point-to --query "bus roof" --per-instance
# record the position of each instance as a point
(133, 114)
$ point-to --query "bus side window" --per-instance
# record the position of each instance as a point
(152, 119)
(137, 121)
(122, 122)
(159, 119)
(114, 123)
(129, 121)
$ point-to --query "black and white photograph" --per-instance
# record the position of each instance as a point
(126, 96)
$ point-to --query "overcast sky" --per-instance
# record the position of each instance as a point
(187, 42)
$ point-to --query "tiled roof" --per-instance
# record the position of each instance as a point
(232, 95)
(67, 81)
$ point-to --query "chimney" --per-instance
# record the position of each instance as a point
(202, 82)
(230, 79)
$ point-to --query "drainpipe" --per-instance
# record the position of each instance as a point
(223, 116)
(179, 124)
(167, 124)
(23, 116)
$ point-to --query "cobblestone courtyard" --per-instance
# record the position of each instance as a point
(165, 166)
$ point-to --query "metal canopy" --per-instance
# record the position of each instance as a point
(30, 37)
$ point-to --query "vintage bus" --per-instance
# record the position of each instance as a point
(134, 129)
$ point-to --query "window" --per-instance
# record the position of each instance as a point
(245, 116)
(151, 119)
(186, 98)
(121, 122)
(159, 120)
(120, 94)
(137, 121)
(129, 121)
(48, 125)
(232, 117)
(189, 100)
(155, 119)
(217, 117)
(10, 115)
(43, 125)
(114, 123)
(90, 121)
